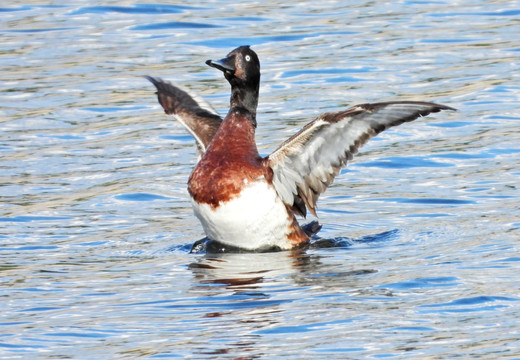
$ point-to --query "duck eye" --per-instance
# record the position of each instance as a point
(248, 58)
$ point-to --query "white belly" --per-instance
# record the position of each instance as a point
(254, 220)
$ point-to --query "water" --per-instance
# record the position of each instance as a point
(95, 219)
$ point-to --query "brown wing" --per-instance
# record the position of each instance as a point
(191, 110)
(307, 163)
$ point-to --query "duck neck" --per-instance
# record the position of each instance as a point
(245, 97)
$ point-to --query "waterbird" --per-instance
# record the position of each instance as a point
(248, 202)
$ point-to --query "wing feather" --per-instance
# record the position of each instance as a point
(190, 109)
(307, 163)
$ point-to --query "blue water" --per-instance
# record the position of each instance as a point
(418, 255)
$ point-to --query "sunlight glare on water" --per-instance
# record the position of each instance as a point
(96, 222)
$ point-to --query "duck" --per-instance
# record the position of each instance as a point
(251, 202)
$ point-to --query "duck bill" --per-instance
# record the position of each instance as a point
(226, 64)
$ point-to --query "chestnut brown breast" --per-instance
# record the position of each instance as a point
(230, 162)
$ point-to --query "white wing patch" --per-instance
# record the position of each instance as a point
(200, 143)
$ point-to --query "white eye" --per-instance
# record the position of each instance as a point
(248, 58)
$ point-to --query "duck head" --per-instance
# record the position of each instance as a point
(241, 68)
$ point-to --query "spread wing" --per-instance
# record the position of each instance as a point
(191, 110)
(307, 163)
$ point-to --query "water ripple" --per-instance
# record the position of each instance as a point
(418, 255)
(174, 25)
(154, 9)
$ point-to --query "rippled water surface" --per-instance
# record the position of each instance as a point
(96, 223)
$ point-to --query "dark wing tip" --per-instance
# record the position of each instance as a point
(444, 107)
(438, 107)
(153, 80)
(167, 95)
(160, 84)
